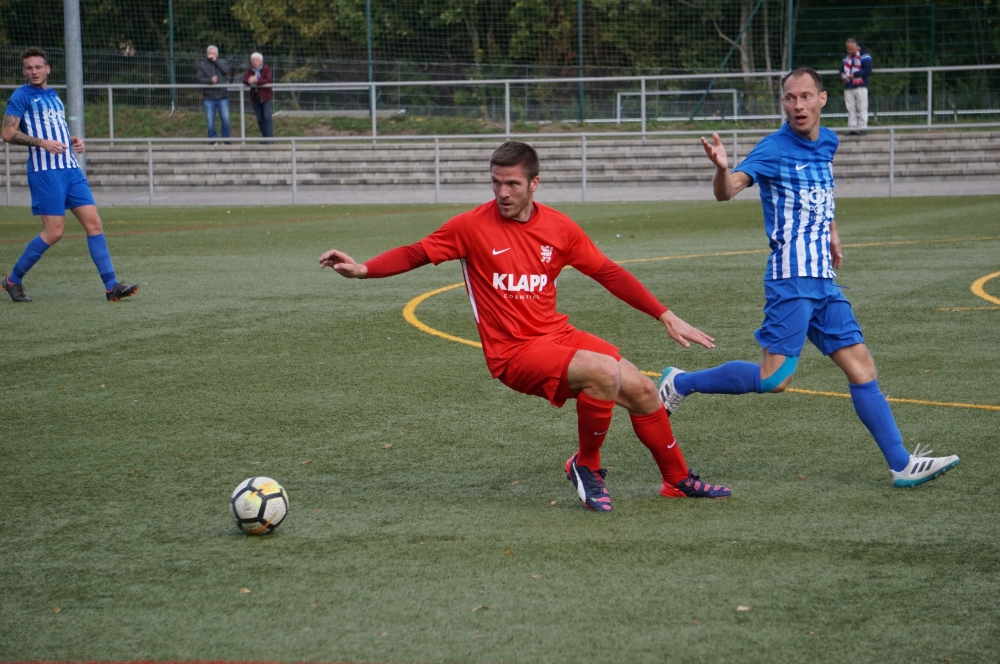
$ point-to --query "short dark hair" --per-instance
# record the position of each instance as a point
(34, 52)
(803, 71)
(514, 153)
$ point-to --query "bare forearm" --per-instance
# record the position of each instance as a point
(20, 138)
(722, 184)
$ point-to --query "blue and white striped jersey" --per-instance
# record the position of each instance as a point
(795, 176)
(42, 116)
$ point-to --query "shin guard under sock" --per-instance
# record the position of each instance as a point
(102, 259)
(873, 410)
(656, 434)
(736, 377)
(593, 419)
(31, 254)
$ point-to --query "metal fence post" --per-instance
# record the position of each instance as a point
(892, 159)
(437, 169)
(930, 97)
(243, 118)
(736, 148)
(583, 168)
(374, 121)
(111, 115)
(295, 173)
(642, 105)
(149, 159)
(6, 151)
(506, 107)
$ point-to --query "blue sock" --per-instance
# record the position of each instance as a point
(102, 259)
(31, 254)
(735, 377)
(873, 411)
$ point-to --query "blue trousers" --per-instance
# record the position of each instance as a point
(222, 106)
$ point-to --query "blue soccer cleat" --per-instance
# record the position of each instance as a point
(922, 468)
(589, 485)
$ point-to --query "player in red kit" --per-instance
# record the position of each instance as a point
(512, 250)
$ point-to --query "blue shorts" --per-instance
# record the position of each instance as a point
(804, 307)
(57, 190)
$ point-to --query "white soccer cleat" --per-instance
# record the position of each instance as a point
(669, 395)
(922, 468)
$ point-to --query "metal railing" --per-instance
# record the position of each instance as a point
(610, 89)
(582, 137)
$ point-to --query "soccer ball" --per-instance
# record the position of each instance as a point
(259, 505)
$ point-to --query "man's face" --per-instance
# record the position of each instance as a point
(35, 70)
(853, 48)
(256, 63)
(212, 53)
(513, 191)
(802, 102)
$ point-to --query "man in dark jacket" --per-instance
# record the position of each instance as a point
(258, 77)
(214, 72)
(855, 69)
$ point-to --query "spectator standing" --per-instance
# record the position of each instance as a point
(855, 70)
(258, 77)
(214, 72)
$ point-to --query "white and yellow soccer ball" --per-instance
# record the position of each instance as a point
(259, 505)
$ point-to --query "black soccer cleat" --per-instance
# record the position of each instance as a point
(589, 485)
(121, 291)
(16, 291)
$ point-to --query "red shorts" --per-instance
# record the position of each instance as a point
(539, 367)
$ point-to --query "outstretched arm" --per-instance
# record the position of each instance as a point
(623, 285)
(392, 262)
(725, 185)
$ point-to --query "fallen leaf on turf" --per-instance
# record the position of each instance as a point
(312, 606)
(62, 387)
(742, 608)
(509, 552)
(802, 477)
(303, 463)
(382, 633)
(481, 607)
(536, 576)
(696, 622)
(245, 591)
(812, 633)
(515, 482)
(385, 447)
(552, 503)
(56, 610)
(319, 510)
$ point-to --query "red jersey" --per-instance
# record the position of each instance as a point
(510, 270)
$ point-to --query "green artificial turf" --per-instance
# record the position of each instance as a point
(421, 489)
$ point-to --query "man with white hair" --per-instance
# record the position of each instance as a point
(214, 72)
(258, 77)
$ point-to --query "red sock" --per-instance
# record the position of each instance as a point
(593, 418)
(655, 433)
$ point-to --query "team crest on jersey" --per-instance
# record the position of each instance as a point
(546, 253)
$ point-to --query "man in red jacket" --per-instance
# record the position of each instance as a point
(512, 251)
(258, 77)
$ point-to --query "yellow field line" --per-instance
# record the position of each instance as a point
(977, 288)
(410, 314)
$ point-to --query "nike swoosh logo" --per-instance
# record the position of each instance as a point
(497, 253)
(799, 168)
(37, 100)
(672, 444)
(601, 433)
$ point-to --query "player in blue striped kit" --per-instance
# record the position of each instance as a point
(36, 117)
(794, 169)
